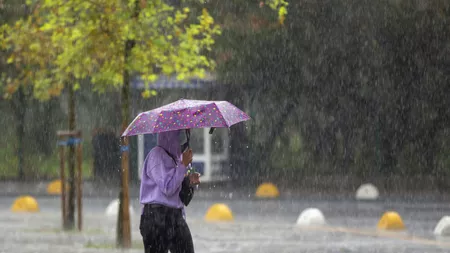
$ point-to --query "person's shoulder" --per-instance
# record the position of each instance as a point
(157, 149)
(155, 152)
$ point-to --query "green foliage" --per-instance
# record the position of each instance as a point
(87, 40)
(364, 80)
(65, 41)
(27, 45)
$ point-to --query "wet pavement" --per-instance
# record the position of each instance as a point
(259, 226)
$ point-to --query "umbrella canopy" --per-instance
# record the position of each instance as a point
(185, 114)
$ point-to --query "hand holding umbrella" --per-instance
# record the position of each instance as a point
(194, 177)
(187, 157)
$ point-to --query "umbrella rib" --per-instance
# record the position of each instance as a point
(221, 115)
(134, 120)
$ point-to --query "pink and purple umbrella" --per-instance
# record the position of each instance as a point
(186, 114)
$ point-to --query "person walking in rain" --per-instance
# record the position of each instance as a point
(165, 189)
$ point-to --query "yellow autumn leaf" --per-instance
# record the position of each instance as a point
(152, 77)
(146, 94)
(35, 46)
(10, 59)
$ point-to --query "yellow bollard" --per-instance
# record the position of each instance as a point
(219, 212)
(391, 221)
(25, 204)
(267, 190)
(54, 187)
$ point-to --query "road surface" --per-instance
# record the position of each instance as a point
(260, 226)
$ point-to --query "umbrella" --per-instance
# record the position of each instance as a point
(186, 114)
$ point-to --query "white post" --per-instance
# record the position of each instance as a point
(140, 158)
(207, 148)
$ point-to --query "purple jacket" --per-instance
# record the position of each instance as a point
(161, 177)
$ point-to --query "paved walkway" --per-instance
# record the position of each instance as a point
(259, 226)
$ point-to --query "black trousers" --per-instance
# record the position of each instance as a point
(163, 229)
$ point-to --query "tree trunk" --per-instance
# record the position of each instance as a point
(123, 222)
(239, 159)
(347, 157)
(239, 171)
(429, 151)
(20, 131)
(71, 160)
(123, 239)
(388, 157)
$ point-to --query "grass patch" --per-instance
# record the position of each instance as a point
(49, 168)
(37, 166)
(92, 245)
(8, 162)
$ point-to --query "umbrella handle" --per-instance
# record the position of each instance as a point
(190, 168)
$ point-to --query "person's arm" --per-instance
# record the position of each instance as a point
(167, 179)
